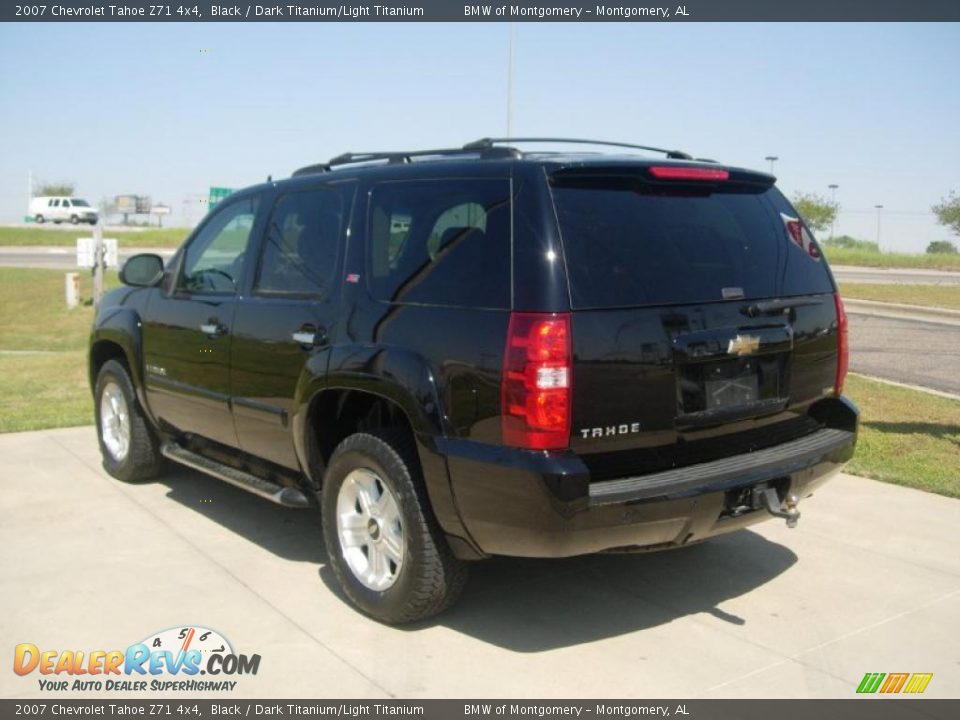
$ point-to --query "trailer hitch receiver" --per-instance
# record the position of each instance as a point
(767, 498)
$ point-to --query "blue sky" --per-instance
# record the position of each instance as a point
(171, 109)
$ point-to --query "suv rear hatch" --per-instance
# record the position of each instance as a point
(704, 318)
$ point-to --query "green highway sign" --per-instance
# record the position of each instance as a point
(216, 195)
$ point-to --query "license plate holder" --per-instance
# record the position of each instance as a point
(726, 392)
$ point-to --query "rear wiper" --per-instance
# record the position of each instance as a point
(769, 307)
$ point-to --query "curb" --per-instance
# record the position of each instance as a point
(919, 272)
(918, 313)
(908, 386)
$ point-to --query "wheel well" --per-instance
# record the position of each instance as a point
(337, 414)
(101, 352)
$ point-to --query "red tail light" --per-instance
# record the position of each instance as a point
(843, 347)
(536, 385)
(674, 172)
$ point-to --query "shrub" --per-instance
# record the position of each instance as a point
(849, 243)
(941, 246)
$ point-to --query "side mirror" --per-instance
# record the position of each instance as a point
(145, 270)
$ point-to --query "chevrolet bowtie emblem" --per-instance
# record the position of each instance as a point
(743, 345)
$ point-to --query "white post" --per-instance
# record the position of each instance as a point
(98, 262)
(72, 289)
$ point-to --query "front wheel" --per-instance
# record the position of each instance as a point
(385, 547)
(129, 448)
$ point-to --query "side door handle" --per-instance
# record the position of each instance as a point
(309, 337)
(213, 328)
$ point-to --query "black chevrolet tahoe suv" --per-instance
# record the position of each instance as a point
(456, 354)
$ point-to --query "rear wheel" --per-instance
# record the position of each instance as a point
(39, 219)
(129, 448)
(75, 219)
(385, 546)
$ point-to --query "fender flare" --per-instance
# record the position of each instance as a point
(403, 378)
(121, 326)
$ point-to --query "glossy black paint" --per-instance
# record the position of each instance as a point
(250, 389)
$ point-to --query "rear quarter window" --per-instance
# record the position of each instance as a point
(440, 242)
(627, 245)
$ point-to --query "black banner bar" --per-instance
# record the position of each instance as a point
(873, 708)
(465, 10)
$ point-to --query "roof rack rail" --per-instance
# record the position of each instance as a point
(311, 170)
(486, 148)
(488, 143)
(403, 157)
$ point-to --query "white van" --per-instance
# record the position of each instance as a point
(62, 209)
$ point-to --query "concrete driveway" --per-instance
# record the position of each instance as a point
(868, 582)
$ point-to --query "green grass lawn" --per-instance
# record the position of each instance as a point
(942, 296)
(907, 437)
(66, 235)
(43, 359)
(851, 256)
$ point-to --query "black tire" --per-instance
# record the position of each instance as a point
(39, 219)
(142, 460)
(75, 219)
(430, 578)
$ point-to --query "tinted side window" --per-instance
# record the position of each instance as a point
(441, 242)
(800, 276)
(214, 258)
(302, 238)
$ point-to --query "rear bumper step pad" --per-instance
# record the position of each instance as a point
(718, 474)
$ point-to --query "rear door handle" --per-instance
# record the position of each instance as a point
(212, 328)
(308, 336)
(305, 337)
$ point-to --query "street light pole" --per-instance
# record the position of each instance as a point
(833, 201)
(771, 159)
(879, 208)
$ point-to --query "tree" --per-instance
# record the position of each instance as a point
(948, 212)
(61, 188)
(818, 212)
(941, 246)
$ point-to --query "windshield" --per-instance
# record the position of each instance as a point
(80, 203)
(627, 246)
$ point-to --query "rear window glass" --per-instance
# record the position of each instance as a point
(441, 242)
(628, 245)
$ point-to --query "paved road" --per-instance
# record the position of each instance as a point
(917, 353)
(894, 276)
(60, 258)
(869, 581)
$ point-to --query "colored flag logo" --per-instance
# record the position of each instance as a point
(894, 683)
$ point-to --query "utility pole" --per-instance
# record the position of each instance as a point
(771, 159)
(879, 209)
(833, 201)
(510, 84)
